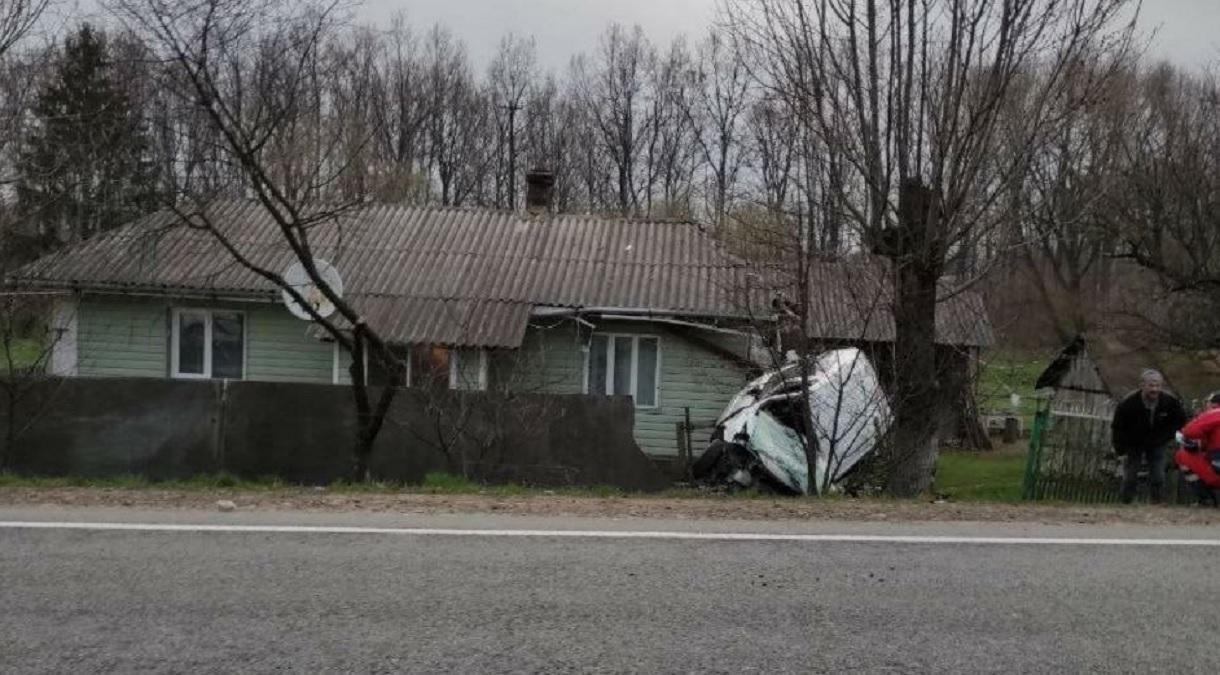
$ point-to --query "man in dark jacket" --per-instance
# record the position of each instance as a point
(1144, 423)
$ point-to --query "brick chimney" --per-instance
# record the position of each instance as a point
(539, 191)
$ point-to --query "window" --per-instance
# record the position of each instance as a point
(438, 368)
(432, 367)
(375, 372)
(208, 343)
(624, 365)
(468, 370)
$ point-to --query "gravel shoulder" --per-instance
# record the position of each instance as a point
(694, 508)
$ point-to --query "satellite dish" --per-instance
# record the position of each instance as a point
(297, 278)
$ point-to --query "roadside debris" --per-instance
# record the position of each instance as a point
(225, 506)
(761, 437)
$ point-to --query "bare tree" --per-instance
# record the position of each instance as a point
(1060, 205)
(459, 119)
(27, 347)
(613, 91)
(670, 156)
(354, 84)
(510, 77)
(17, 69)
(771, 128)
(553, 138)
(18, 19)
(910, 94)
(402, 108)
(1166, 209)
(719, 100)
(592, 165)
(261, 114)
(20, 74)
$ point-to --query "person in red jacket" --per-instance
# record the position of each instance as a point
(1200, 455)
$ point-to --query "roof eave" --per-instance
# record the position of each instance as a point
(103, 288)
(543, 311)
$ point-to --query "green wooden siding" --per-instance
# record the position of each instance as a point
(553, 361)
(279, 349)
(129, 337)
(691, 377)
(549, 362)
(123, 338)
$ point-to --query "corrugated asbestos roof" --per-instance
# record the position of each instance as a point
(454, 276)
(851, 300)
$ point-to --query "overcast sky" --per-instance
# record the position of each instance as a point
(1188, 30)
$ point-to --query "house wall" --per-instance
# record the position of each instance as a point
(129, 337)
(278, 349)
(122, 338)
(553, 360)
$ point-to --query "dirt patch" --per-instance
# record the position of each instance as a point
(711, 507)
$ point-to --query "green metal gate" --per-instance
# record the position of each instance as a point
(1070, 457)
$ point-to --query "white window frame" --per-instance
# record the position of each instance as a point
(175, 341)
(66, 328)
(336, 370)
(635, 366)
(455, 359)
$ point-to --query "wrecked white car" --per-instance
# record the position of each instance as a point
(763, 434)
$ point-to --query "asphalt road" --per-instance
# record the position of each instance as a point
(184, 601)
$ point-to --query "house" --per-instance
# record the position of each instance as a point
(849, 307)
(480, 299)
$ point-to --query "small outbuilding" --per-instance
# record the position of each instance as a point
(1069, 452)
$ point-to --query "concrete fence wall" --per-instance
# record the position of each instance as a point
(167, 429)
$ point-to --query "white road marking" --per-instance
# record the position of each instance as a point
(601, 534)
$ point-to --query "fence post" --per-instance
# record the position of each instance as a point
(1011, 429)
(218, 425)
(680, 437)
(1033, 459)
(686, 470)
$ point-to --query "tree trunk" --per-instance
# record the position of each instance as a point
(803, 293)
(512, 156)
(806, 429)
(369, 420)
(363, 443)
(10, 430)
(916, 389)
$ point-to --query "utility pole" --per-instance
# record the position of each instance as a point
(512, 109)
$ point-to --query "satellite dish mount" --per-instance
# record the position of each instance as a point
(298, 279)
